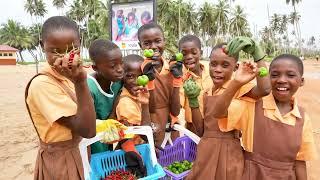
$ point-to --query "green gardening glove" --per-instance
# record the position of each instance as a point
(247, 45)
(192, 91)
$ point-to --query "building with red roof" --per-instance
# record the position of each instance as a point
(8, 55)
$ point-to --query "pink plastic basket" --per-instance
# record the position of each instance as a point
(183, 148)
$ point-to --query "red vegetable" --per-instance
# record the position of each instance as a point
(72, 54)
(120, 175)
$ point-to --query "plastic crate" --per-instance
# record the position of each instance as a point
(183, 148)
(102, 164)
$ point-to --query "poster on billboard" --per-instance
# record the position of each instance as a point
(126, 20)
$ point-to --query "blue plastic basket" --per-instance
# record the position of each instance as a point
(102, 164)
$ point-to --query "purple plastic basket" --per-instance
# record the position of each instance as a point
(183, 148)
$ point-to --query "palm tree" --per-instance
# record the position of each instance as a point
(40, 8)
(222, 10)
(37, 9)
(297, 24)
(16, 35)
(102, 15)
(77, 11)
(293, 3)
(189, 17)
(275, 28)
(238, 23)
(311, 42)
(283, 29)
(294, 19)
(206, 21)
(59, 4)
(267, 40)
(275, 23)
(29, 7)
(162, 7)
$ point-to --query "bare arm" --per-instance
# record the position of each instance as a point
(223, 101)
(84, 122)
(145, 115)
(175, 102)
(144, 98)
(246, 72)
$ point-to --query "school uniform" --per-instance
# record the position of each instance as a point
(50, 96)
(128, 111)
(204, 82)
(272, 142)
(219, 154)
(162, 94)
(103, 105)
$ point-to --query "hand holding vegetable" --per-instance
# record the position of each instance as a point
(246, 44)
(192, 91)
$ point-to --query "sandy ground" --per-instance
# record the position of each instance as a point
(18, 140)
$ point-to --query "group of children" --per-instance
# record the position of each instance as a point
(221, 104)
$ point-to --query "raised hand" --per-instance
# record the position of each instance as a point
(246, 44)
(246, 72)
(143, 95)
(72, 70)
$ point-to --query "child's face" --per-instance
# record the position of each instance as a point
(191, 55)
(285, 79)
(110, 65)
(59, 42)
(221, 67)
(152, 39)
(145, 20)
(132, 72)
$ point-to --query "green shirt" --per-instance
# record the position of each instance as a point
(103, 104)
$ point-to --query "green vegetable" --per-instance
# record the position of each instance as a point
(148, 53)
(142, 80)
(179, 56)
(179, 167)
(263, 72)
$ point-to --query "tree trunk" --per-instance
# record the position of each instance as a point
(35, 60)
(298, 31)
(287, 42)
(21, 58)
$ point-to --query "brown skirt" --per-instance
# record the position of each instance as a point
(59, 161)
(218, 159)
(260, 168)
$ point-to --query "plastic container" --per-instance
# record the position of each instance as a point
(183, 148)
(102, 164)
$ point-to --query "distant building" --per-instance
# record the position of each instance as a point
(8, 55)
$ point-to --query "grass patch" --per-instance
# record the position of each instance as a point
(26, 63)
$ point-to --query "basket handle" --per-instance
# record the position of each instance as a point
(195, 138)
(183, 131)
(140, 130)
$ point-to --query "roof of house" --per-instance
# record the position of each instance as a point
(7, 48)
